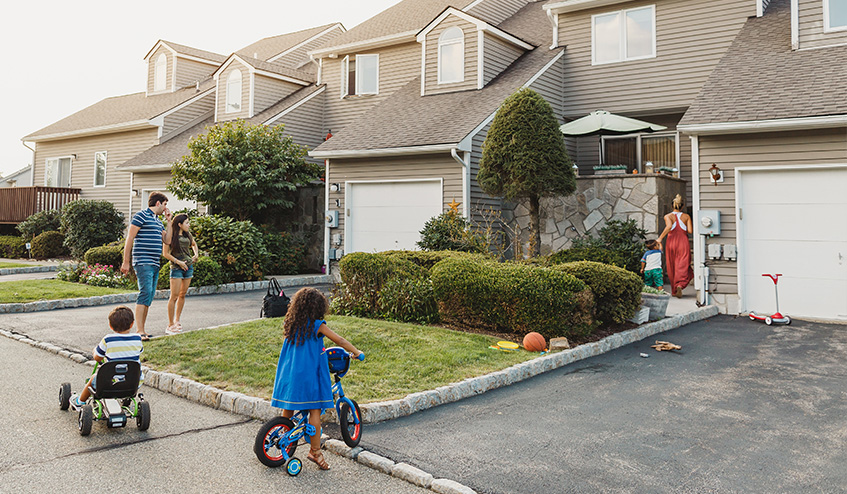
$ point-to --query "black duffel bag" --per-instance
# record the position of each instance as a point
(275, 302)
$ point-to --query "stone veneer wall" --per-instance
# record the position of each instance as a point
(306, 218)
(597, 200)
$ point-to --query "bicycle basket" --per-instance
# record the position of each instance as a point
(339, 360)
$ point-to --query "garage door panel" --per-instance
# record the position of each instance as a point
(401, 193)
(793, 221)
(822, 186)
(796, 258)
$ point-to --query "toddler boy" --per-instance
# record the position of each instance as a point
(651, 265)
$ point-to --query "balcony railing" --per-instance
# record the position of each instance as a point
(19, 203)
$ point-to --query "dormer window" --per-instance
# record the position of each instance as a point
(835, 15)
(451, 56)
(233, 92)
(623, 35)
(360, 75)
(160, 74)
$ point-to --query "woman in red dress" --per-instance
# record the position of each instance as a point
(678, 251)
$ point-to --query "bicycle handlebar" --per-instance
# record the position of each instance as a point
(361, 356)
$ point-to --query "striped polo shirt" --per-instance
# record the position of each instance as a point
(147, 248)
(117, 346)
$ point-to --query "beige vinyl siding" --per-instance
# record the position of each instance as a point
(394, 168)
(471, 56)
(811, 26)
(305, 124)
(188, 72)
(548, 85)
(496, 11)
(691, 37)
(267, 91)
(773, 149)
(151, 70)
(189, 115)
(300, 56)
(397, 66)
(497, 55)
(119, 148)
(222, 115)
(481, 204)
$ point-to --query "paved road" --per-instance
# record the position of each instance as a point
(189, 448)
(44, 275)
(743, 408)
(82, 328)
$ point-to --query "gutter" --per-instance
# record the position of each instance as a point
(774, 125)
(333, 51)
(466, 180)
(32, 165)
(400, 151)
(106, 129)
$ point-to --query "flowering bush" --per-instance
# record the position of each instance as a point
(106, 276)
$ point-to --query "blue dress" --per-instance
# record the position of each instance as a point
(302, 375)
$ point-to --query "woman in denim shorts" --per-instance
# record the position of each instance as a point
(182, 252)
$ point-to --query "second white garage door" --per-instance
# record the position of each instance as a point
(389, 215)
(794, 222)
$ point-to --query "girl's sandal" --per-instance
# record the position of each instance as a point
(317, 456)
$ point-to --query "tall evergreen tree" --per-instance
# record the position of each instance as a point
(524, 157)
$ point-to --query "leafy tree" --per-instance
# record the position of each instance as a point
(450, 231)
(524, 157)
(242, 170)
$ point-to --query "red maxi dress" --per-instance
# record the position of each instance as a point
(678, 256)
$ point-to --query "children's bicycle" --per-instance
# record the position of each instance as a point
(277, 439)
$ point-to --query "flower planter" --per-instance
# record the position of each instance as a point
(642, 316)
(621, 171)
(658, 304)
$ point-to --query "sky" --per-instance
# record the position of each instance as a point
(62, 56)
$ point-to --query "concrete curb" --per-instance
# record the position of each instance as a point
(29, 269)
(68, 303)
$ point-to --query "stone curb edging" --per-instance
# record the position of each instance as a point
(28, 269)
(118, 298)
(260, 409)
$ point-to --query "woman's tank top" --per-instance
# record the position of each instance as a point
(679, 221)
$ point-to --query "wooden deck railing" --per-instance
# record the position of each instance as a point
(19, 203)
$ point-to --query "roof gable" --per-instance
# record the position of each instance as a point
(187, 52)
(272, 48)
(480, 26)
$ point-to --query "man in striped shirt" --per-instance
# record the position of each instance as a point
(119, 345)
(144, 241)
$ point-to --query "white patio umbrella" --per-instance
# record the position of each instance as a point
(605, 123)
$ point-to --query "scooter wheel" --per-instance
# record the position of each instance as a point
(787, 320)
(752, 316)
(768, 320)
(293, 466)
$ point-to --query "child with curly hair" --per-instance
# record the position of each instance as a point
(302, 374)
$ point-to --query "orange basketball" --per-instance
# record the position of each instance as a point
(534, 342)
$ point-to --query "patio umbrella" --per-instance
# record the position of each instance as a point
(605, 123)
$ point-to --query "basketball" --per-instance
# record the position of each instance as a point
(534, 342)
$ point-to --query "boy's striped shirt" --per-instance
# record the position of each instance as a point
(118, 346)
(147, 248)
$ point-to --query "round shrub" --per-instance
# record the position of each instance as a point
(40, 222)
(206, 272)
(237, 246)
(617, 292)
(105, 255)
(12, 247)
(88, 224)
(512, 297)
(428, 259)
(362, 278)
(450, 231)
(48, 245)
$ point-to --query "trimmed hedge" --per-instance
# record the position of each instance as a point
(206, 272)
(617, 292)
(105, 255)
(238, 246)
(12, 247)
(589, 253)
(428, 259)
(512, 297)
(48, 245)
(40, 222)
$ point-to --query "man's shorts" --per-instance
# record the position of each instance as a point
(654, 278)
(187, 274)
(148, 277)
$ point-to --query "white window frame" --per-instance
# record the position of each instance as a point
(360, 73)
(105, 167)
(826, 26)
(638, 136)
(160, 72)
(56, 159)
(230, 97)
(461, 42)
(345, 76)
(622, 55)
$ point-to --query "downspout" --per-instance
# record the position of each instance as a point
(795, 24)
(466, 181)
(32, 171)
(699, 240)
(554, 20)
(326, 212)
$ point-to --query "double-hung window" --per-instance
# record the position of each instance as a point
(360, 75)
(623, 35)
(233, 92)
(835, 15)
(160, 73)
(451, 56)
(57, 173)
(100, 169)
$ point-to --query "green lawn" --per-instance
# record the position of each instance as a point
(5, 265)
(33, 290)
(400, 358)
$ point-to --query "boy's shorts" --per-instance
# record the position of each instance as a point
(654, 278)
(148, 276)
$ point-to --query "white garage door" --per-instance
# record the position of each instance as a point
(795, 223)
(174, 204)
(389, 215)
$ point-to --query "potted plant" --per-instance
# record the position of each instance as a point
(668, 171)
(609, 169)
(656, 300)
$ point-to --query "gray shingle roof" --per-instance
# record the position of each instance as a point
(270, 47)
(196, 52)
(275, 68)
(761, 78)
(407, 119)
(120, 110)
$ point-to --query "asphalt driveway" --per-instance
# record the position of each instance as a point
(742, 408)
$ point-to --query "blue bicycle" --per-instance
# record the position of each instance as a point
(277, 439)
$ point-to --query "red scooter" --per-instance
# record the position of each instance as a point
(776, 317)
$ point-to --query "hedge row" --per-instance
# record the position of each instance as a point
(12, 247)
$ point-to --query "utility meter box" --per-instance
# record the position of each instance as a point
(710, 222)
(332, 219)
